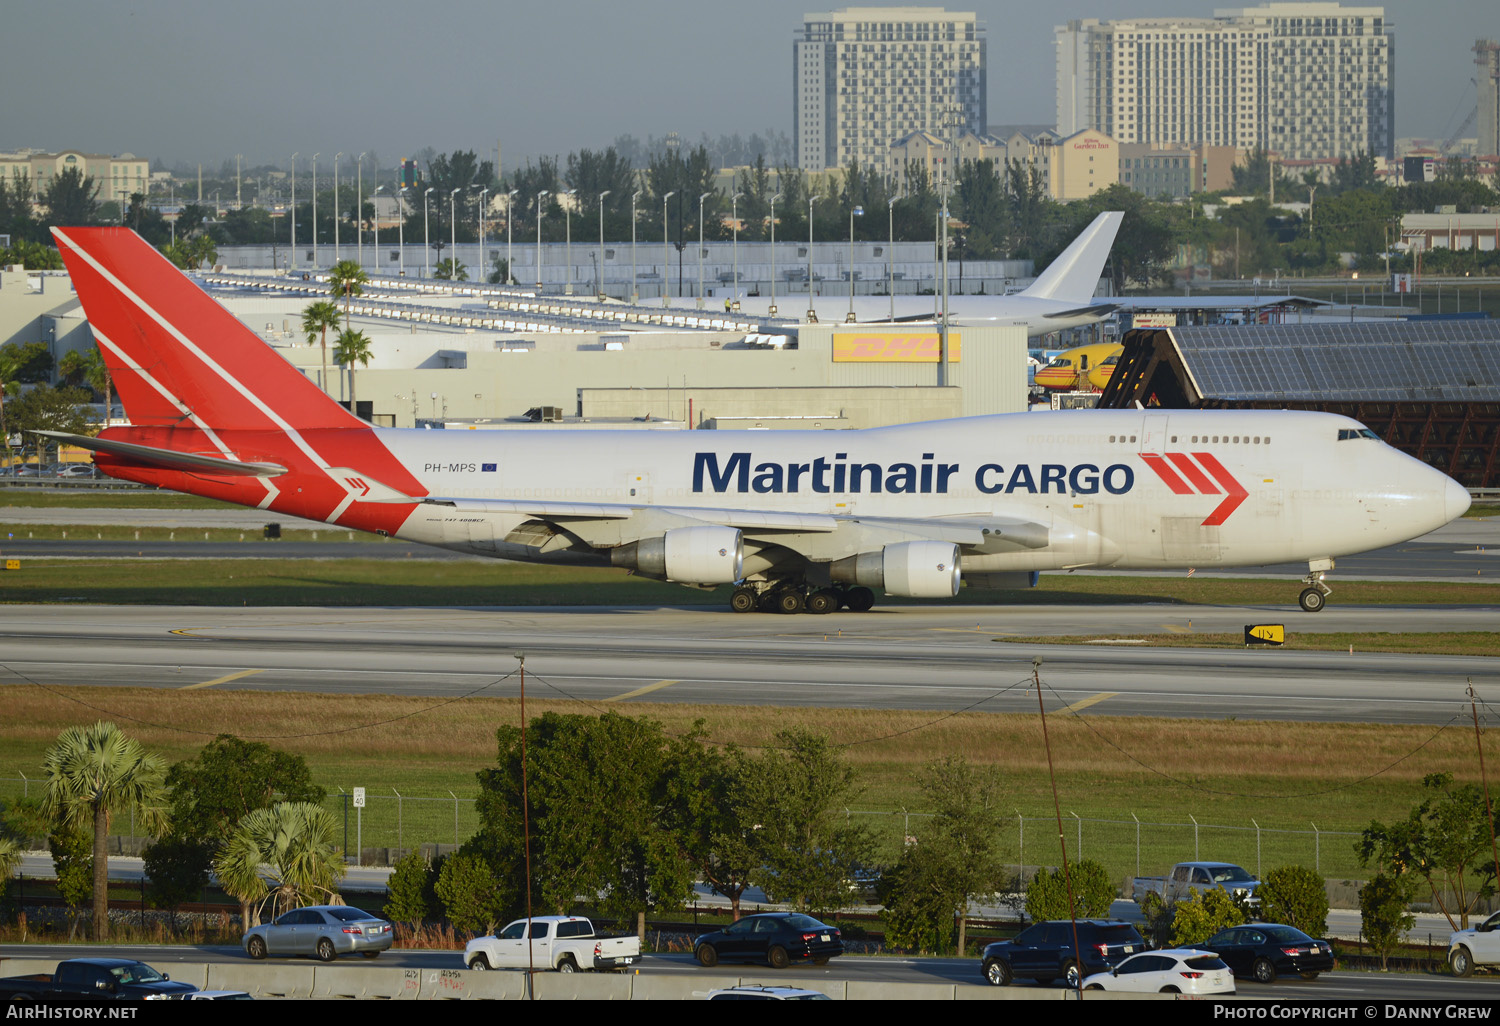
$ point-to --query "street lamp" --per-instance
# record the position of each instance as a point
(539, 197)
(510, 221)
(426, 236)
(336, 212)
(772, 311)
(665, 247)
(401, 231)
(359, 208)
(890, 268)
(603, 194)
(315, 210)
(700, 247)
(482, 193)
(292, 258)
(853, 213)
(812, 313)
(635, 284)
(453, 234)
(376, 247)
(568, 243)
(734, 219)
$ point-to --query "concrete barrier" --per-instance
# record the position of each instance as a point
(489, 985)
(195, 973)
(861, 991)
(985, 992)
(582, 986)
(354, 982)
(677, 988)
(264, 979)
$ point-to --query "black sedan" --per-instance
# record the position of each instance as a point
(1265, 950)
(776, 938)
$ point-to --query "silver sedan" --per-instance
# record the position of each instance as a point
(324, 931)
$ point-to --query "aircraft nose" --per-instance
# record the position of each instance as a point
(1456, 500)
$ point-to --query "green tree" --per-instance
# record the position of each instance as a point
(25, 362)
(284, 856)
(1295, 895)
(451, 269)
(72, 199)
(918, 894)
(1093, 893)
(178, 870)
(230, 778)
(317, 318)
(796, 792)
(1383, 913)
(718, 839)
(1444, 841)
(146, 221)
(1203, 915)
(32, 255)
(473, 897)
(501, 274)
(349, 348)
(73, 861)
(16, 216)
(94, 773)
(412, 890)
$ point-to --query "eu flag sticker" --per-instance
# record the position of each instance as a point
(487, 468)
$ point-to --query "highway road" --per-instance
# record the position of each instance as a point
(942, 658)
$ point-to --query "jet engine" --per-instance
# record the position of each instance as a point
(920, 569)
(691, 555)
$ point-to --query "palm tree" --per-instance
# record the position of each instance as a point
(96, 376)
(284, 855)
(346, 278)
(92, 774)
(451, 269)
(316, 320)
(352, 347)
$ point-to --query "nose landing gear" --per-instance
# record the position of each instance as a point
(1315, 595)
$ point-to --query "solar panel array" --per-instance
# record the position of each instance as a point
(1384, 361)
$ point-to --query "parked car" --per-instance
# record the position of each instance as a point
(757, 992)
(1045, 951)
(1188, 879)
(96, 979)
(565, 943)
(220, 995)
(1169, 971)
(78, 470)
(1478, 945)
(1265, 950)
(324, 931)
(776, 938)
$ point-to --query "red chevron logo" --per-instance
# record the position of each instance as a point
(1207, 476)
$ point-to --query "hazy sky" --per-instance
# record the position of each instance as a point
(202, 80)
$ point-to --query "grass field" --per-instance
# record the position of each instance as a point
(1229, 774)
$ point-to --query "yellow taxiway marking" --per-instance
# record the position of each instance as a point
(1079, 706)
(1173, 628)
(642, 691)
(222, 680)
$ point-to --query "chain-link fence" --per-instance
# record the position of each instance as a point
(393, 821)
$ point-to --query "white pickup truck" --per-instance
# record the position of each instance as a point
(1478, 945)
(564, 943)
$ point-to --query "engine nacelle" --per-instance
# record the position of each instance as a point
(691, 555)
(919, 569)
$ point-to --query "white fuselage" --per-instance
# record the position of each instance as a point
(1125, 489)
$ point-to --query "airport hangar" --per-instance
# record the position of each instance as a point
(467, 355)
(1431, 388)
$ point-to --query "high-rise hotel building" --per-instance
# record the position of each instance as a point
(864, 77)
(1304, 80)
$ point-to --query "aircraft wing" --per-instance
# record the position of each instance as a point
(1097, 310)
(749, 521)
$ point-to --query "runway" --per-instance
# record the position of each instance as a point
(942, 659)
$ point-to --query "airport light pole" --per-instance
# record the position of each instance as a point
(401, 231)
(734, 223)
(453, 234)
(812, 312)
(426, 235)
(291, 264)
(700, 247)
(603, 194)
(484, 276)
(336, 212)
(539, 197)
(510, 221)
(635, 284)
(890, 267)
(665, 247)
(375, 247)
(315, 210)
(359, 208)
(568, 243)
(853, 213)
(772, 311)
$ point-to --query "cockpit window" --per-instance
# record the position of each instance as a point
(1345, 434)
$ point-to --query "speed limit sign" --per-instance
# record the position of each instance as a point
(359, 797)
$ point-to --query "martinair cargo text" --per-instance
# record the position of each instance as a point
(795, 520)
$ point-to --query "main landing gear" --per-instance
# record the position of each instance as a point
(1315, 595)
(799, 598)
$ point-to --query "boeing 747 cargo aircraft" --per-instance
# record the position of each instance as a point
(795, 520)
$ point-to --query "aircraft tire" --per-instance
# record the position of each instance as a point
(821, 602)
(861, 600)
(1311, 600)
(744, 600)
(790, 601)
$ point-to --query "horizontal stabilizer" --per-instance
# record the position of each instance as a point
(169, 458)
